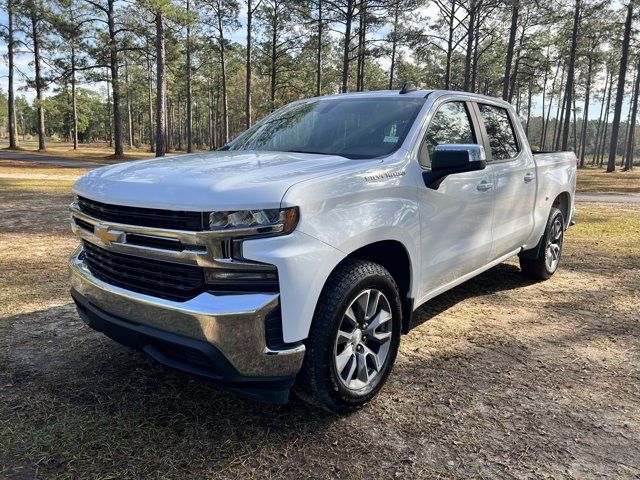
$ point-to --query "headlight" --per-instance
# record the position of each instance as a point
(271, 220)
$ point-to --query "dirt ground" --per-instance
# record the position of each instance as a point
(499, 378)
(92, 152)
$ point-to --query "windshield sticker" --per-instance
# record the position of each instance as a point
(390, 139)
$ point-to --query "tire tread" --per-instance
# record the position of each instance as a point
(311, 384)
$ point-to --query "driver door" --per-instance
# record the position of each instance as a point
(456, 219)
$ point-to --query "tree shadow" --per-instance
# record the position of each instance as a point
(497, 279)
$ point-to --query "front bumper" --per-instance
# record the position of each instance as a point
(219, 337)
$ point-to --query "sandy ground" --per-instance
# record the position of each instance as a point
(499, 378)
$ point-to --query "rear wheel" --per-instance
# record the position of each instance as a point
(353, 340)
(542, 261)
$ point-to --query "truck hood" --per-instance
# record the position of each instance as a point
(223, 180)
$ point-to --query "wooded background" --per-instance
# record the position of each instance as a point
(185, 75)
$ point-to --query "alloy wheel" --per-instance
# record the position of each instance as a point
(554, 245)
(363, 339)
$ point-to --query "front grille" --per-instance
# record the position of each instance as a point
(84, 225)
(155, 242)
(172, 281)
(146, 217)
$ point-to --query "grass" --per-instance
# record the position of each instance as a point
(94, 152)
(591, 180)
(500, 377)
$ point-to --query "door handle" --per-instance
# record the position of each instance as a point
(528, 177)
(483, 186)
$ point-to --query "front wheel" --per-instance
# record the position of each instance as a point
(353, 340)
(542, 261)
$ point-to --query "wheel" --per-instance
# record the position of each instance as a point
(542, 261)
(354, 338)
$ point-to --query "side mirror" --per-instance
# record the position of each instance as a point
(455, 158)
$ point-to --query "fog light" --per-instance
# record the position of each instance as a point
(218, 275)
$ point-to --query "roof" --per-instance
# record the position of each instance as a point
(378, 93)
(414, 94)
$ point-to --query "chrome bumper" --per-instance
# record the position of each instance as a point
(234, 324)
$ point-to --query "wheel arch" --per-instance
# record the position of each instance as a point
(394, 256)
(563, 203)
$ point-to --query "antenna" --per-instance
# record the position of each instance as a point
(407, 88)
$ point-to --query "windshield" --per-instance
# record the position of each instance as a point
(349, 127)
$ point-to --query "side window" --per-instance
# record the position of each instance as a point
(502, 138)
(450, 124)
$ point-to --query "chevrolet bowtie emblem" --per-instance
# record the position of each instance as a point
(106, 235)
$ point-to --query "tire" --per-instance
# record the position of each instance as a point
(344, 369)
(541, 262)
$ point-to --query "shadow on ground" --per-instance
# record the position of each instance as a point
(501, 278)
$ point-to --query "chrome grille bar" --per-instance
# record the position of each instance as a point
(202, 248)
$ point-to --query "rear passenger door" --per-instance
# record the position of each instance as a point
(514, 178)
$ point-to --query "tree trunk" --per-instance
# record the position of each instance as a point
(210, 125)
(628, 132)
(571, 75)
(216, 122)
(600, 118)
(115, 85)
(394, 44)
(319, 51)
(470, 34)
(450, 38)
(606, 122)
(617, 109)
(39, 81)
(361, 46)
(543, 135)
(628, 129)
(13, 130)
(559, 112)
(575, 125)
(223, 69)
(585, 116)
(474, 65)
(189, 120)
(558, 138)
(176, 138)
(171, 135)
(74, 103)
(632, 124)
(544, 93)
(247, 99)
(274, 53)
(530, 94)
(516, 66)
(150, 100)
(197, 122)
(515, 11)
(346, 47)
(128, 99)
(109, 109)
(161, 88)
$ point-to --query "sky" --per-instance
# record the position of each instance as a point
(22, 64)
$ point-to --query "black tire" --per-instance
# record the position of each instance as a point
(318, 382)
(533, 263)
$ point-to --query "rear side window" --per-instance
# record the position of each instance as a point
(502, 138)
(450, 125)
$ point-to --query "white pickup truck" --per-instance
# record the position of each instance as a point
(294, 257)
